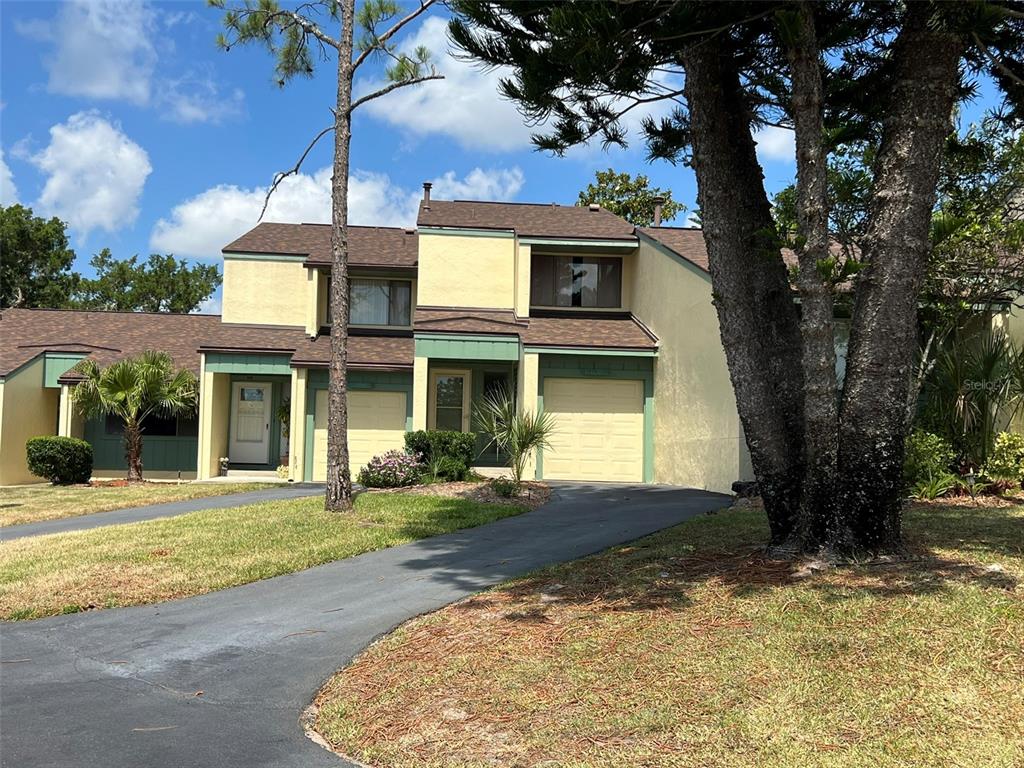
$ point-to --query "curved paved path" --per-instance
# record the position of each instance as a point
(122, 687)
(153, 511)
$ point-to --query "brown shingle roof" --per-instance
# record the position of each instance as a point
(363, 352)
(689, 243)
(239, 337)
(591, 331)
(527, 219)
(106, 336)
(368, 246)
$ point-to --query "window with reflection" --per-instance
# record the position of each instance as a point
(379, 302)
(576, 281)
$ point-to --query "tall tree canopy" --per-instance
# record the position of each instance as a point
(298, 38)
(35, 260)
(36, 271)
(829, 461)
(631, 197)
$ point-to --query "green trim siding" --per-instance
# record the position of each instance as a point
(382, 381)
(467, 347)
(249, 364)
(591, 367)
(591, 352)
(458, 232)
(159, 454)
(56, 364)
(288, 257)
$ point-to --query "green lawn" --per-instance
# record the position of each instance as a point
(29, 504)
(689, 649)
(203, 551)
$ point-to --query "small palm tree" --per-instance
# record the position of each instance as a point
(134, 389)
(517, 433)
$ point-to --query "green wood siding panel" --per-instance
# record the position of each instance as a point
(163, 454)
(248, 363)
(56, 364)
(455, 347)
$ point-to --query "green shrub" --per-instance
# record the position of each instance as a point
(61, 460)
(927, 456)
(505, 486)
(393, 469)
(1006, 462)
(452, 469)
(934, 486)
(432, 444)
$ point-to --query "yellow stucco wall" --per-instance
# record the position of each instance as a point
(69, 422)
(28, 410)
(466, 271)
(316, 300)
(1011, 322)
(698, 438)
(522, 297)
(214, 410)
(527, 385)
(266, 292)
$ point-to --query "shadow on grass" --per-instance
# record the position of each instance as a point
(947, 547)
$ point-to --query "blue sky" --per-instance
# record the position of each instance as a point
(126, 121)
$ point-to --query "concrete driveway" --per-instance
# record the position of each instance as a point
(221, 680)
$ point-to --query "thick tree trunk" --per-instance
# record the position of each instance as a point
(757, 316)
(818, 523)
(133, 452)
(339, 480)
(884, 332)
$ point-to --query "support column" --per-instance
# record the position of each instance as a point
(527, 389)
(297, 430)
(65, 413)
(420, 385)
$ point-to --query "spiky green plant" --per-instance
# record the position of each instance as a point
(518, 433)
(134, 389)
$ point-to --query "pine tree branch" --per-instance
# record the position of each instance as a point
(279, 177)
(994, 60)
(392, 87)
(311, 29)
(379, 42)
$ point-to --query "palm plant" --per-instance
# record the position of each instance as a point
(133, 390)
(517, 433)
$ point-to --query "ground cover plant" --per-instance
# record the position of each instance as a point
(689, 648)
(204, 551)
(32, 503)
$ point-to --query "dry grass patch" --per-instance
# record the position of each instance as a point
(32, 503)
(690, 649)
(203, 551)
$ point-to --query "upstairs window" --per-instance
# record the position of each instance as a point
(380, 302)
(576, 281)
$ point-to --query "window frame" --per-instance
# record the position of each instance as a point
(573, 261)
(385, 278)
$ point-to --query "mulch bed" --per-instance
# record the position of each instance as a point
(533, 494)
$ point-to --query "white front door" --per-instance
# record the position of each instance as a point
(250, 423)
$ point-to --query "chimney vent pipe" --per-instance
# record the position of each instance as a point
(658, 202)
(426, 193)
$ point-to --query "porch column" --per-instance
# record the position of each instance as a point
(297, 429)
(419, 393)
(65, 412)
(527, 387)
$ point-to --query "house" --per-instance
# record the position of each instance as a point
(608, 327)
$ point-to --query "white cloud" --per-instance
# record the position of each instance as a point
(95, 174)
(775, 143)
(465, 105)
(212, 306)
(102, 50)
(108, 49)
(8, 192)
(202, 225)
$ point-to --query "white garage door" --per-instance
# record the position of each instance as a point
(599, 429)
(376, 423)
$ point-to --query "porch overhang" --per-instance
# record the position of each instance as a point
(464, 346)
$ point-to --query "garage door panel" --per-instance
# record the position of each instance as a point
(376, 423)
(599, 429)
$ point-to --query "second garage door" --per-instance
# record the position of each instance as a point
(376, 423)
(599, 429)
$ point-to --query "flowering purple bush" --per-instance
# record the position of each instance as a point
(393, 469)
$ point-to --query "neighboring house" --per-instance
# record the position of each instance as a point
(608, 327)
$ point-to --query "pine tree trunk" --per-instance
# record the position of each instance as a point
(818, 523)
(883, 336)
(757, 315)
(133, 451)
(339, 481)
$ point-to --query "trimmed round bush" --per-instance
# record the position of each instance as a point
(928, 455)
(61, 460)
(393, 469)
(1006, 462)
(439, 443)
